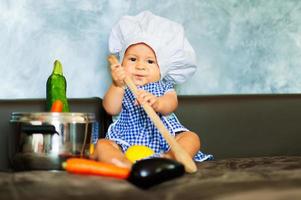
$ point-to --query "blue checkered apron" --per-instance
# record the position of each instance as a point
(134, 127)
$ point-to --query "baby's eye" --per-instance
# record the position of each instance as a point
(150, 62)
(133, 59)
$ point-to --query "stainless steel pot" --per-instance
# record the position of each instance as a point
(42, 141)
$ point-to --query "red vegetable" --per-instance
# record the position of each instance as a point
(91, 167)
(57, 106)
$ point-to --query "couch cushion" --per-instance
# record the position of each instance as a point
(244, 125)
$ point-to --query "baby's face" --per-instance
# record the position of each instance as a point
(140, 64)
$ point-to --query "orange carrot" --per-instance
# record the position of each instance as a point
(57, 106)
(91, 167)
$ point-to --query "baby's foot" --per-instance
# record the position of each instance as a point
(122, 163)
(167, 155)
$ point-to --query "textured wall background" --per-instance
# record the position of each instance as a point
(243, 46)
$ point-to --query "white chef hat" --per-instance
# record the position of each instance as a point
(175, 56)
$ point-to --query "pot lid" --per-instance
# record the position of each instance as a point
(44, 117)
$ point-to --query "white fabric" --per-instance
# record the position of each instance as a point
(175, 56)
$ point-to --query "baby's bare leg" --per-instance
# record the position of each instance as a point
(189, 141)
(108, 151)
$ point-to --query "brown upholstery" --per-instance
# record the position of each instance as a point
(229, 126)
(244, 125)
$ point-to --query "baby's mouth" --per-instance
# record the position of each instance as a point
(138, 76)
(138, 79)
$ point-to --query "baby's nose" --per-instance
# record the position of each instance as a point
(140, 67)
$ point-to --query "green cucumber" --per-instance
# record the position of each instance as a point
(56, 87)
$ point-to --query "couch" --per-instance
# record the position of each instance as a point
(255, 140)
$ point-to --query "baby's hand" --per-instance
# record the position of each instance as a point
(146, 97)
(118, 75)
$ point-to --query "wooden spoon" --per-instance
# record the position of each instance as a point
(180, 154)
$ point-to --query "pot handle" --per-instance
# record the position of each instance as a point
(44, 129)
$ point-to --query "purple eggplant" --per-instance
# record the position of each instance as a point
(150, 172)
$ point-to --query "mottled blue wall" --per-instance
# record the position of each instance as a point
(242, 46)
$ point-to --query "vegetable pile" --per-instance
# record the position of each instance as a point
(144, 173)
